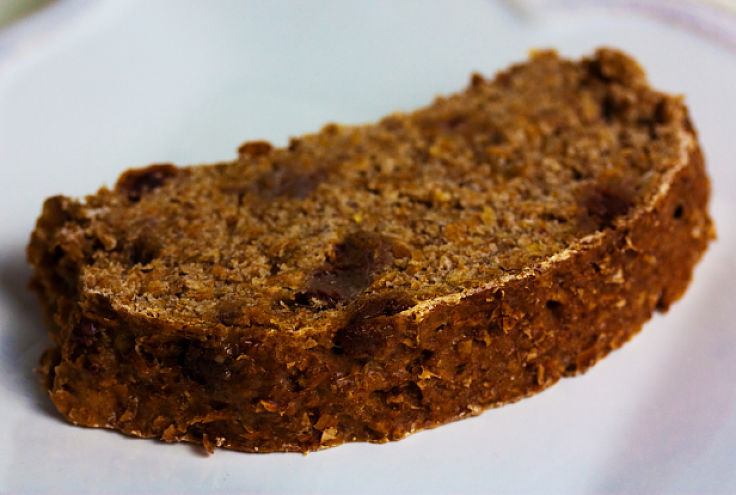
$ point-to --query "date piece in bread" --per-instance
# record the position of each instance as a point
(366, 282)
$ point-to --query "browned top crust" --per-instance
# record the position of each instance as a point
(347, 238)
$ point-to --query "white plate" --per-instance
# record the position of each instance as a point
(120, 84)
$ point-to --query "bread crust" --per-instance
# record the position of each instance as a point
(391, 367)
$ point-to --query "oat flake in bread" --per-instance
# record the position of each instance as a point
(366, 282)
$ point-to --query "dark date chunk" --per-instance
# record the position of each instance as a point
(135, 182)
(349, 269)
(602, 205)
(370, 326)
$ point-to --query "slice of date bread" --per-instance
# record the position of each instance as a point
(366, 282)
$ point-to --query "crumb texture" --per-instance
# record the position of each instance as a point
(365, 282)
